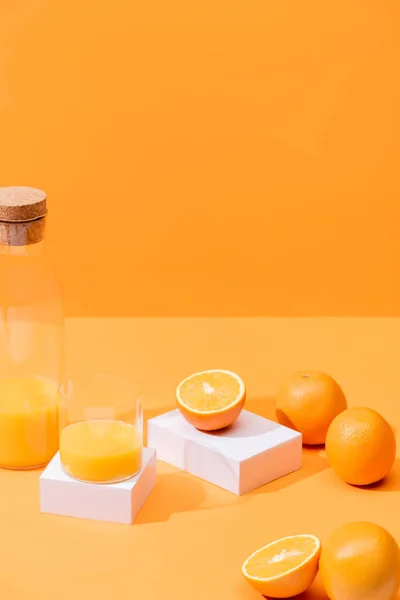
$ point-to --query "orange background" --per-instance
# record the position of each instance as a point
(210, 157)
(190, 538)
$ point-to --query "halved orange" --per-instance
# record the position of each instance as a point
(211, 400)
(285, 567)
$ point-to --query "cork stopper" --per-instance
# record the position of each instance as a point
(21, 216)
(21, 204)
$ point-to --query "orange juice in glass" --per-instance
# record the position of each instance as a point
(101, 428)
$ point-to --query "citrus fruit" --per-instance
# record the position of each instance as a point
(285, 567)
(307, 402)
(211, 400)
(360, 446)
(360, 561)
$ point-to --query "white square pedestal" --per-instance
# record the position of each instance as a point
(114, 502)
(245, 456)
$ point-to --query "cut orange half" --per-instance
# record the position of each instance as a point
(284, 568)
(211, 400)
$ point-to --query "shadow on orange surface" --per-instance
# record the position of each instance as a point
(391, 483)
(313, 463)
(315, 592)
(173, 493)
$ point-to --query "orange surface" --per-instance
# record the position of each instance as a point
(101, 451)
(28, 422)
(210, 157)
(187, 525)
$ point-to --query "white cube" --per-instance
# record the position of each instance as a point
(248, 454)
(113, 502)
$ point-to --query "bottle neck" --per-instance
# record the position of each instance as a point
(22, 239)
(33, 250)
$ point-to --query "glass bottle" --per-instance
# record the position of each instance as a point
(31, 333)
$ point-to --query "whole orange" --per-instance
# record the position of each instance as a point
(308, 402)
(360, 446)
(360, 561)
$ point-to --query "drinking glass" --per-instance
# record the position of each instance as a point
(101, 428)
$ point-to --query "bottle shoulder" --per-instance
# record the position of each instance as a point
(27, 279)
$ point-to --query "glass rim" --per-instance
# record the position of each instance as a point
(96, 376)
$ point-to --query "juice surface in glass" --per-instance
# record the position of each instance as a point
(28, 422)
(101, 451)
